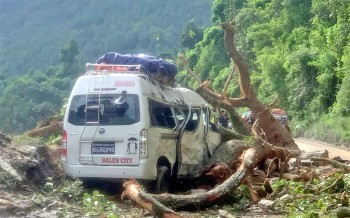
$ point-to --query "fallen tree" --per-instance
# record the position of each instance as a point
(249, 160)
(274, 141)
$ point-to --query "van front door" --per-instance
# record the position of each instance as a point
(193, 148)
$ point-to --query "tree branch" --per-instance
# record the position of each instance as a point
(244, 76)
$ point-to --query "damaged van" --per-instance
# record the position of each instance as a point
(122, 122)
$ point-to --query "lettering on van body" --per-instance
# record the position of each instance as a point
(124, 83)
(116, 160)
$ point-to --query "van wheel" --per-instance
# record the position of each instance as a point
(163, 180)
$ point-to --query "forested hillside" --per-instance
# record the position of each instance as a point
(44, 46)
(33, 32)
(298, 51)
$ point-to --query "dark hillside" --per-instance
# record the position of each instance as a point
(33, 32)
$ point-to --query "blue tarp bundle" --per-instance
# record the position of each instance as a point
(148, 63)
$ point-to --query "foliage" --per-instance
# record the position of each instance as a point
(26, 100)
(316, 198)
(297, 52)
(7, 180)
(87, 203)
(341, 107)
(123, 26)
(71, 190)
(313, 199)
(69, 59)
(38, 95)
(209, 57)
(334, 129)
(96, 204)
(55, 139)
(191, 35)
(241, 197)
(21, 139)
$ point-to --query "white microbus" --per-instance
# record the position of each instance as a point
(120, 123)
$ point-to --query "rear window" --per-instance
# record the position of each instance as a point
(101, 110)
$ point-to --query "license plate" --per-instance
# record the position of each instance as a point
(103, 148)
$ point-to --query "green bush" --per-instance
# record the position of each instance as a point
(331, 129)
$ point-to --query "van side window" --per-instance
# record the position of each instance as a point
(169, 117)
(100, 110)
(182, 115)
(161, 115)
(194, 120)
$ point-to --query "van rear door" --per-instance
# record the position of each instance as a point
(109, 134)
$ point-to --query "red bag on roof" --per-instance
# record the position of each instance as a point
(278, 111)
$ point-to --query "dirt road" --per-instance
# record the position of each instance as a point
(311, 145)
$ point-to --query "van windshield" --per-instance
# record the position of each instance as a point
(95, 109)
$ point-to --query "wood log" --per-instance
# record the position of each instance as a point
(134, 191)
(334, 163)
(193, 201)
(250, 158)
(54, 128)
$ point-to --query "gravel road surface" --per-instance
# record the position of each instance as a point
(310, 145)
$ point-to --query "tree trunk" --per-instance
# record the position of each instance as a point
(268, 126)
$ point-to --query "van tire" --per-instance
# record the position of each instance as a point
(163, 180)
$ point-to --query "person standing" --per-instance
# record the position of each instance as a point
(223, 119)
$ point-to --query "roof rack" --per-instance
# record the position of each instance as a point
(96, 69)
(103, 69)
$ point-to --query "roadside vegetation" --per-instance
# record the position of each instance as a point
(332, 129)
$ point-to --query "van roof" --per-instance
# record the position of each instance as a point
(172, 94)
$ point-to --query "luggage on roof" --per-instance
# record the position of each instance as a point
(148, 64)
(278, 111)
